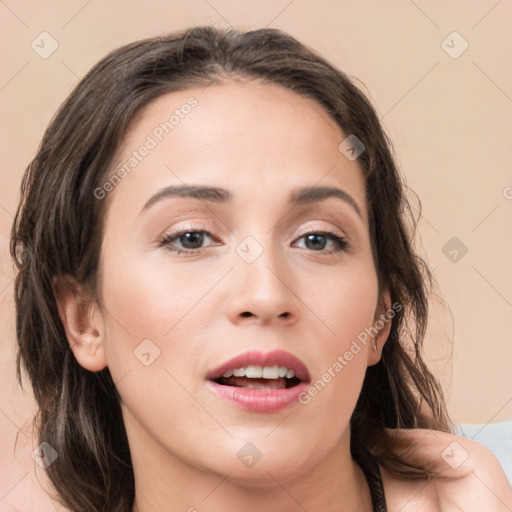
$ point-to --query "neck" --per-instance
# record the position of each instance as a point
(168, 483)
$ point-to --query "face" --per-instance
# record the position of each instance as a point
(189, 283)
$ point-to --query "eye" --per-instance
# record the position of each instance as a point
(318, 239)
(191, 240)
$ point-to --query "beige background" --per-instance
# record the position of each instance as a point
(449, 118)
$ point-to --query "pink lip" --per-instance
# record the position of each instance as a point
(261, 400)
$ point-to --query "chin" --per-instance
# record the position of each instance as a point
(265, 469)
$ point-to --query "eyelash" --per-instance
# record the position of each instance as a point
(168, 240)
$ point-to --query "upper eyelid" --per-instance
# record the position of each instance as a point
(210, 231)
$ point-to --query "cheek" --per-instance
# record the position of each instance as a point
(346, 301)
(345, 309)
(143, 295)
(151, 328)
(151, 307)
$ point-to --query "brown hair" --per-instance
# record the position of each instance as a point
(58, 230)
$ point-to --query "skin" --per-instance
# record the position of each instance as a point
(260, 142)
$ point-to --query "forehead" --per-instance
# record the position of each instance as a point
(220, 112)
(246, 136)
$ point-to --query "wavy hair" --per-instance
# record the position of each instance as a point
(58, 230)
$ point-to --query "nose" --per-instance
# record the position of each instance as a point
(263, 291)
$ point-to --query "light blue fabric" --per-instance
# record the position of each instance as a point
(496, 437)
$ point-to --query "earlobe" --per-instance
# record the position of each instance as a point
(81, 321)
(381, 326)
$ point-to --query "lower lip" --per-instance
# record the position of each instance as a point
(259, 400)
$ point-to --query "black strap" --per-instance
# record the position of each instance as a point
(371, 470)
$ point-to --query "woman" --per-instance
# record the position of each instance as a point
(217, 301)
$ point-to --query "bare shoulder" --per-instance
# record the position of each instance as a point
(468, 476)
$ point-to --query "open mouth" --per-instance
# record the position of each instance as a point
(258, 377)
(260, 382)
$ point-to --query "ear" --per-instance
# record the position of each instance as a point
(81, 319)
(381, 327)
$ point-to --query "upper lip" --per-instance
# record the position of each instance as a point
(258, 358)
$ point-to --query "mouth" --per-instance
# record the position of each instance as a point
(260, 382)
(258, 377)
(254, 369)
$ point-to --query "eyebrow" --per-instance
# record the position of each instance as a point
(219, 195)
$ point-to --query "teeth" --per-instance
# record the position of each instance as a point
(258, 372)
(253, 372)
(270, 372)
